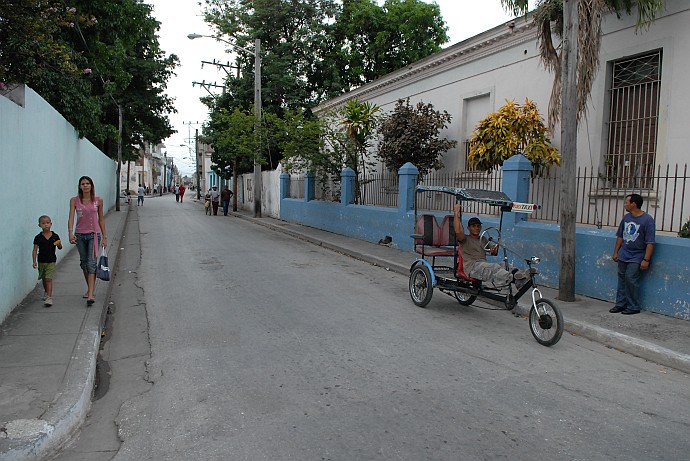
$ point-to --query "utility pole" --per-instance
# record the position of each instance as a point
(568, 200)
(257, 128)
(119, 157)
(198, 164)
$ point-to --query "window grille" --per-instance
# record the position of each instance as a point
(633, 121)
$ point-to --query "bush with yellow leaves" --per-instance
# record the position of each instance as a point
(513, 129)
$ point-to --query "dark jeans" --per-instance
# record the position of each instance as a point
(628, 293)
(215, 208)
(226, 205)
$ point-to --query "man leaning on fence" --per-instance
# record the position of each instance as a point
(633, 253)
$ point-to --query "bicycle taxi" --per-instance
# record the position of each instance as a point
(434, 241)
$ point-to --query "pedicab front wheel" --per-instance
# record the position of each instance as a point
(546, 322)
(421, 288)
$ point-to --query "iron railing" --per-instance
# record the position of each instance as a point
(379, 189)
(296, 186)
(466, 179)
(600, 200)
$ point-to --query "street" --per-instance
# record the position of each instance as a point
(267, 347)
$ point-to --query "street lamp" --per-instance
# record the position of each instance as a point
(257, 112)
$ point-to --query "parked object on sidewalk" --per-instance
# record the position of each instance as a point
(103, 271)
(635, 240)
(89, 232)
(434, 241)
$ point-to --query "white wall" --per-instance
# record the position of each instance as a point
(42, 159)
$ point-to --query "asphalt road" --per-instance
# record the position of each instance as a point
(267, 347)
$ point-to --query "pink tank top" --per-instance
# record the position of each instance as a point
(87, 217)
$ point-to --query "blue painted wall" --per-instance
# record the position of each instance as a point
(665, 289)
(42, 158)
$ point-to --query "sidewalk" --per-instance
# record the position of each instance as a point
(48, 359)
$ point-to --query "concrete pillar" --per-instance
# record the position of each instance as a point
(516, 183)
(347, 186)
(309, 186)
(284, 186)
(407, 181)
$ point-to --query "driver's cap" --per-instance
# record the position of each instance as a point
(474, 221)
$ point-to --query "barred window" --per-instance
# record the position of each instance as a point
(633, 120)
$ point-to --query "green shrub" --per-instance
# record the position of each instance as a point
(685, 230)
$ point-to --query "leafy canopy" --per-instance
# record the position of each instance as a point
(411, 134)
(88, 58)
(513, 129)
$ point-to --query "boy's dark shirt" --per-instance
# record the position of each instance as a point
(46, 247)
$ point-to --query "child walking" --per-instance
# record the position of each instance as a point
(44, 245)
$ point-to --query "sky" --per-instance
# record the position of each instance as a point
(464, 18)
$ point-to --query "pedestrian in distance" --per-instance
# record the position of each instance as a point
(177, 193)
(207, 202)
(475, 264)
(89, 233)
(44, 257)
(215, 199)
(182, 189)
(225, 196)
(140, 195)
(635, 240)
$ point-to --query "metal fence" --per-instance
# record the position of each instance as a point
(465, 179)
(600, 199)
(327, 189)
(296, 186)
(379, 189)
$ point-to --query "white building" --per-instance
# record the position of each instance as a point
(636, 120)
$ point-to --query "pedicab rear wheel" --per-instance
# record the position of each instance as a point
(464, 298)
(421, 288)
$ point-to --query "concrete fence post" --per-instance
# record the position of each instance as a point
(347, 186)
(515, 183)
(284, 185)
(309, 186)
(407, 181)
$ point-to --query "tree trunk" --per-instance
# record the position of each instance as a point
(568, 200)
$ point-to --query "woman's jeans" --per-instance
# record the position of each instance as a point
(87, 254)
(628, 293)
(226, 205)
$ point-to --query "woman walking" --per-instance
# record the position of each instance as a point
(89, 233)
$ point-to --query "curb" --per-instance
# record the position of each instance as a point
(69, 409)
(624, 343)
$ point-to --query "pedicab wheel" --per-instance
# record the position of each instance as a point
(421, 288)
(546, 322)
(464, 298)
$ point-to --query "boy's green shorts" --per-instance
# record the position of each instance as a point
(46, 271)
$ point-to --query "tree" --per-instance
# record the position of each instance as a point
(231, 133)
(549, 17)
(513, 129)
(360, 121)
(112, 59)
(300, 139)
(369, 41)
(30, 38)
(411, 134)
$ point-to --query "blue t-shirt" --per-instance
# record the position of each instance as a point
(636, 233)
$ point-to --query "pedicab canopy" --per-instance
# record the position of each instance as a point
(490, 197)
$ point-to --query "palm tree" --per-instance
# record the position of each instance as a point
(548, 17)
(360, 120)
